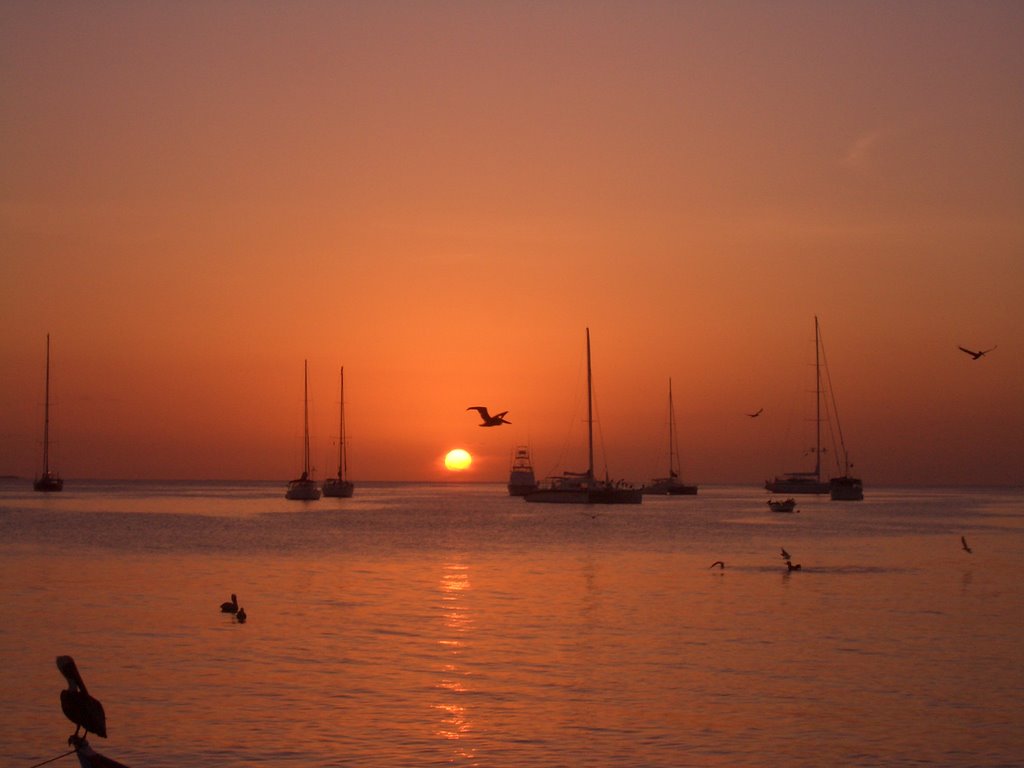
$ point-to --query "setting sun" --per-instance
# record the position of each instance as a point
(457, 459)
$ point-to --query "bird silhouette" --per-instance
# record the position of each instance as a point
(240, 617)
(719, 563)
(792, 567)
(231, 607)
(963, 544)
(488, 420)
(785, 554)
(975, 355)
(78, 706)
(756, 414)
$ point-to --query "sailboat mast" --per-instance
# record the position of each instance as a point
(341, 430)
(671, 429)
(46, 414)
(305, 417)
(817, 402)
(590, 418)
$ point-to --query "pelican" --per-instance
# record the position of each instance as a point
(975, 355)
(719, 563)
(785, 554)
(792, 567)
(756, 414)
(78, 706)
(488, 420)
(231, 607)
(240, 616)
(963, 544)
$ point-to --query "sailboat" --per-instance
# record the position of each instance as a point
(303, 488)
(338, 486)
(48, 482)
(583, 487)
(671, 485)
(840, 488)
(521, 479)
(807, 482)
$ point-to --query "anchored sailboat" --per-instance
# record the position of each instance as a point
(583, 487)
(48, 482)
(338, 486)
(843, 487)
(671, 485)
(303, 488)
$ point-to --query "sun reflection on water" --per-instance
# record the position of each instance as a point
(455, 725)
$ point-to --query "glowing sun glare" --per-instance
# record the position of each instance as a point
(458, 459)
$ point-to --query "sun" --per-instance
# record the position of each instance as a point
(457, 460)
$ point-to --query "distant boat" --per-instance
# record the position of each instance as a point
(338, 486)
(843, 487)
(671, 485)
(807, 482)
(583, 487)
(785, 505)
(521, 479)
(48, 482)
(303, 488)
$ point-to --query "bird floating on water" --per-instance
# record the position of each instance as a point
(719, 563)
(757, 413)
(240, 617)
(78, 706)
(792, 567)
(975, 355)
(963, 544)
(231, 607)
(489, 421)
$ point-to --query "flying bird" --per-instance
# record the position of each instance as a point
(975, 355)
(488, 420)
(231, 607)
(785, 554)
(963, 544)
(756, 414)
(78, 706)
(719, 563)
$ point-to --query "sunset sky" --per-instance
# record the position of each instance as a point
(443, 196)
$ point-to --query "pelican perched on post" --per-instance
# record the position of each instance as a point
(78, 706)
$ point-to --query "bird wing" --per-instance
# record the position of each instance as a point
(968, 351)
(481, 409)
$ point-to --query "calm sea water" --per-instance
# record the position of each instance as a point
(418, 625)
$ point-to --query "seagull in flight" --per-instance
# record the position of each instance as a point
(963, 544)
(975, 355)
(489, 421)
(755, 415)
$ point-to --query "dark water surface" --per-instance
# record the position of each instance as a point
(452, 625)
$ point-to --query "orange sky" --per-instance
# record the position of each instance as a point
(441, 197)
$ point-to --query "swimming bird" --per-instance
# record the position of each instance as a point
(488, 420)
(78, 706)
(719, 563)
(785, 554)
(975, 355)
(792, 567)
(755, 415)
(231, 607)
(963, 543)
(240, 617)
